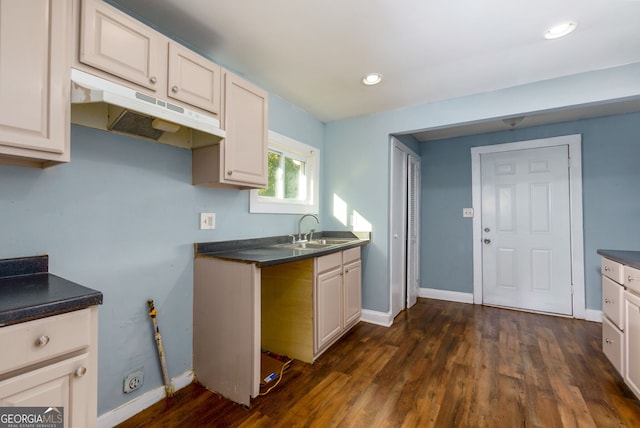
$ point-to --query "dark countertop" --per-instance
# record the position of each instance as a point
(269, 252)
(629, 258)
(28, 291)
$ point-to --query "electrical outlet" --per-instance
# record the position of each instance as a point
(467, 212)
(133, 381)
(207, 221)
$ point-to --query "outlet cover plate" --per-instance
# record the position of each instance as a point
(133, 381)
(207, 221)
(467, 212)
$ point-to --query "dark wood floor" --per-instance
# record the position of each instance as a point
(441, 364)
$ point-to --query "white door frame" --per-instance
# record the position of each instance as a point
(394, 258)
(575, 203)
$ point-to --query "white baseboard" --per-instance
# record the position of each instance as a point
(593, 315)
(374, 317)
(138, 404)
(452, 296)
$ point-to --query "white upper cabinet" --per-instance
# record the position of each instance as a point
(118, 44)
(35, 42)
(193, 79)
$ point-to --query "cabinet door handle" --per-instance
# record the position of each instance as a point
(153, 79)
(80, 371)
(42, 341)
(608, 301)
(607, 269)
(229, 172)
(632, 278)
(174, 88)
(609, 341)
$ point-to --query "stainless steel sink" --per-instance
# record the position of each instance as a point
(331, 241)
(306, 245)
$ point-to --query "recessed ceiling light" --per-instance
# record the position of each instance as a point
(372, 79)
(560, 30)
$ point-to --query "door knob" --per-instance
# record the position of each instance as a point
(487, 241)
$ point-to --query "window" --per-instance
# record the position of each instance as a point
(293, 178)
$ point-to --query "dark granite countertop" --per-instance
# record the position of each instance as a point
(28, 291)
(629, 258)
(273, 251)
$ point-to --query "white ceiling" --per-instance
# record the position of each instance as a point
(314, 53)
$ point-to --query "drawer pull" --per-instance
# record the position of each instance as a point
(607, 269)
(80, 371)
(609, 301)
(609, 341)
(632, 278)
(42, 341)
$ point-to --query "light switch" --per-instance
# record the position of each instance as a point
(207, 221)
(467, 212)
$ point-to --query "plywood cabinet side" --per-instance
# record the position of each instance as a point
(287, 309)
(35, 46)
(226, 327)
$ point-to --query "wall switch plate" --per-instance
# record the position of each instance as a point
(467, 212)
(207, 221)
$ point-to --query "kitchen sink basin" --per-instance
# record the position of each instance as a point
(330, 241)
(306, 245)
(316, 244)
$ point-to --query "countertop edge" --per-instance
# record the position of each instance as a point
(625, 257)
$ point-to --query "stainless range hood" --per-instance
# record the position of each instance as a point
(102, 104)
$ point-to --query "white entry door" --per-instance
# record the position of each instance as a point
(526, 229)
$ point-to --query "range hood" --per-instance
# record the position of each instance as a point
(102, 104)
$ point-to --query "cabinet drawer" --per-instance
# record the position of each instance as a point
(612, 270)
(632, 279)
(350, 255)
(36, 341)
(330, 261)
(612, 301)
(612, 344)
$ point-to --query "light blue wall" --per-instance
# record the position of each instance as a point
(122, 218)
(356, 157)
(611, 175)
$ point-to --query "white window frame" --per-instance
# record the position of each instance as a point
(311, 157)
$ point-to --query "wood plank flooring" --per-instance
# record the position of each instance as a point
(441, 364)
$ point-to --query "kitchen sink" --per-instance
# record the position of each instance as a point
(306, 245)
(316, 244)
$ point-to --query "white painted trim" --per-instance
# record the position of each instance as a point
(379, 318)
(574, 142)
(452, 296)
(593, 315)
(138, 404)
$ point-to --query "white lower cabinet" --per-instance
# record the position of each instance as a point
(338, 296)
(632, 342)
(52, 362)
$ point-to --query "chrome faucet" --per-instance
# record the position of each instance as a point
(300, 224)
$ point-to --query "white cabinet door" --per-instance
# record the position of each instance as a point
(35, 44)
(65, 384)
(245, 122)
(193, 79)
(116, 43)
(352, 293)
(632, 342)
(328, 307)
